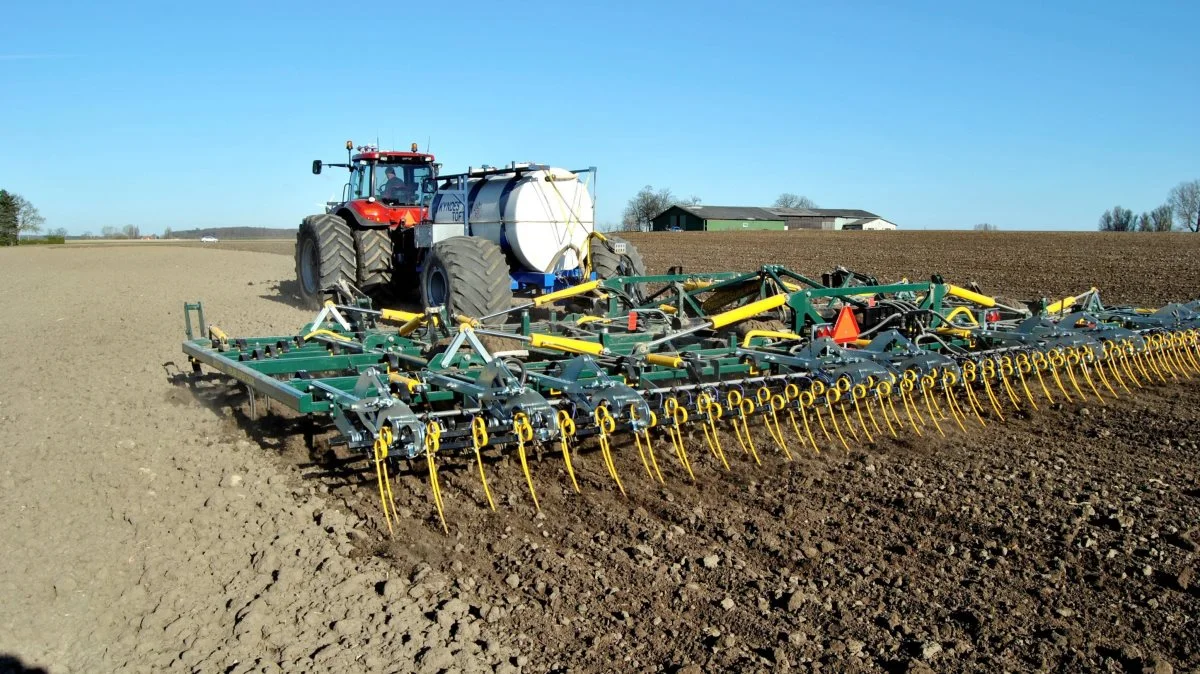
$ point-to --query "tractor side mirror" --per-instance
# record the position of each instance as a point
(316, 167)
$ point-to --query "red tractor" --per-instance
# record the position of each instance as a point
(388, 193)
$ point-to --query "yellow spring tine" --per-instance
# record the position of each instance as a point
(382, 479)
(677, 439)
(712, 411)
(479, 440)
(1126, 359)
(929, 407)
(910, 407)
(1088, 378)
(433, 440)
(1189, 356)
(862, 421)
(955, 411)
(1114, 369)
(1103, 378)
(807, 429)
(1025, 386)
(891, 405)
(973, 401)
(987, 386)
(821, 420)
(1176, 355)
(637, 438)
(1156, 352)
(886, 418)
(1037, 365)
(1008, 389)
(834, 393)
(1192, 357)
(1139, 357)
(846, 418)
(744, 410)
(1172, 356)
(777, 403)
(606, 425)
(524, 433)
(1058, 381)
(678, 416)
(566, 431)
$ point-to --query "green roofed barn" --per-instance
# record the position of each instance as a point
(716, 219)
(727, 218)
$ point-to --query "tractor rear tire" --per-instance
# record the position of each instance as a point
(469, 276)
(607, 263)
(324, 256)
(373, 256)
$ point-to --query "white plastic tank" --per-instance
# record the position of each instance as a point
(542, 216)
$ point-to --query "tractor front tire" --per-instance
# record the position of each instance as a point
(324, 256)
(469, 276)
(373, 255)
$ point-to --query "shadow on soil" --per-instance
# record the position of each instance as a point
(11, 664)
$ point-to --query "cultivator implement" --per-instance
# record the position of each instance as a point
(787, 363)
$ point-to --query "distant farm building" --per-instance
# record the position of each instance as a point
(727, 218)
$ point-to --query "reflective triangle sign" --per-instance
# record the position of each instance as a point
(845, 330)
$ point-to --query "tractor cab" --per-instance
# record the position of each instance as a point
(385, 187)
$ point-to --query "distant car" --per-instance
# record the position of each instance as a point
(676, 228)
(208, 239)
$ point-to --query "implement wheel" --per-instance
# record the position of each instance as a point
(324, 256)
(607, 262)
(469, 276)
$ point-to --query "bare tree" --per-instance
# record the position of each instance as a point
(789, 200)
(1117, 220)
(985, 227)
(109, 232)
(1184, 201)
(1161, 218)
(641, 209)
(1144, 223)
(29, 221)
(130, 231)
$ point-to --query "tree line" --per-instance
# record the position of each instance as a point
(648, 202)
(1181, 211)
(18, 216)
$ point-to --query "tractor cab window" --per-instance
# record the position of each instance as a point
(360, 181)
(404, 184)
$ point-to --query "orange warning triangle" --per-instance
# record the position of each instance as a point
(845, 330)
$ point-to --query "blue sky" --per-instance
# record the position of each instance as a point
(933, 114)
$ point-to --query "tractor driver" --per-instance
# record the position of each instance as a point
(396, 188)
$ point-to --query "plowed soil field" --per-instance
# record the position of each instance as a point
(150, 524)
